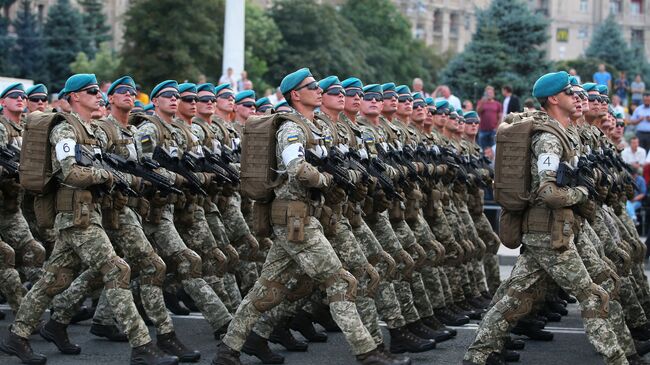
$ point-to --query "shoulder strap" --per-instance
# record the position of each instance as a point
(567, 149)
(311, 141)
(80, 130)
(331, 126)
(209, 135)
(186, 130)
(11, 130)
(224, 130)
(164, 134)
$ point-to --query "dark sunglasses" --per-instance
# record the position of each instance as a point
(310, 86)
(36, 99)
(16, 95)
(247, 104)
(419, 104)
(594, 97)
(471, 121)
(226, 95)
(620, 124)
(124, 90)
(354, 92)
(390, 95)
(442, 111)
(404, 98)
(207, 99)
(189, 98)
(432, 111)
(264, 108)
(371, 96)
(604, 99)
(335, 91)
(169, 94)
(569, 90)
(91, 90)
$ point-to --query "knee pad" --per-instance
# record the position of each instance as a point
(62, 279)
(157, 277)
(303, 289)
(34, 254)
(409, 264)
(350, 294)
(527, 298)
(274, 294)
(189, 263)
(7, 256)
(374, 280)
(117, 273)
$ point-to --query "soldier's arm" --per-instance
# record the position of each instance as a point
(4, 136)
(146, 140)
(547, 151)
(291, 141)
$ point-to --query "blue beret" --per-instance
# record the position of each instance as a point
(262, 101)
(573, 81)
(590, 86)
(403, 89)
(550, 84)
(460, 112)
(124, 80)
(603, 89)
(351, 82)
(205, 87)
(15, 86)
(281, 104)
(442, 104)
(78, 82)
(163, 85)
(389, 86)
(148, 107)
(138, 104)
(187, 87)
(221, 87)
(246, 94)
(418, 95)
(329, 81)
(105, 98)
(619, 115)
(292, 80)
(372, 88)
(429, 102)
(36, 89)
(471, 115)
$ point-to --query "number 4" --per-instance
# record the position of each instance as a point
(547, 161)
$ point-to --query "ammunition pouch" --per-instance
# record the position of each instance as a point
(45, 209)
(294, 215)
(262, 219)
(413, 205)
(328, 220)
(78, 202)
(396, 211)
(558, 223)
(354, 215)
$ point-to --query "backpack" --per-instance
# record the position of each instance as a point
(512, 179)
(258, 176)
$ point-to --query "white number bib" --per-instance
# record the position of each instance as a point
(548, 162)
(65, 148)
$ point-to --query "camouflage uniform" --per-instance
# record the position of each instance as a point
(80, 241)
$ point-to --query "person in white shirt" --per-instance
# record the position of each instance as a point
(443, 92)
(228, 78)
(634, 155)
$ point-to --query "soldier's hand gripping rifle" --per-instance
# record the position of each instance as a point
(375, 168)
(93, 158)
(333, 164)
(144, 170)
(9, 161)
(222, 161)
(185, 168)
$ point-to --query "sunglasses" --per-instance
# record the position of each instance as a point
(432, 111)
(264, 108)
(310, 86)
(124, 90)
(335, 91)
(404, 98)
(207, 99)
(189, 99)
(582, 94)
(419, 104)
(169, 94)
(226, 95)
(569, 90)
(371, 96)
(36, 99)
(620, 124)
(471, 121)
(390, 95)
(594, 97)
(354, 92)
(604, 99)
(91, 90)
(247, 104)
(442, 111)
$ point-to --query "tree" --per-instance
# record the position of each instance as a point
(263, 43)
(506, 49)
(7, 65)
(95, 25)
(162, 42)
(64, 29)
(30, 45)
(608, 45)
(105, 65)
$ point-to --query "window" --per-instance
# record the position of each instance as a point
(636, 7)
(583, 32)
(453, 24)
(437, 21)
(419, 31)
(615, 6)
(562, 35)
(637, 38)
(584, 6)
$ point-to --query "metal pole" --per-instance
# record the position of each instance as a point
(233, 39)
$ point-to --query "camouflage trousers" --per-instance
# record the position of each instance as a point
(525, 286)
(30, 254)
(429, 273)
(287, 260)
(10, 286)
(75, 247)
(188, 266)
(492, 273)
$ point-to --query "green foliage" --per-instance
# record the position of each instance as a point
(608, 45)
(263, 42)
(506, 49)
(30, 45)
(585, 67)
(105, 65)
(95, 25)
(64, 29)
(7, 66)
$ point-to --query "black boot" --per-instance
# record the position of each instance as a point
(510, 356)
(187, 300)
(478, 303)
(226, 356)
(642, 347)
(640, 333)
(282, 335)
(221, 331)
(258, 346)
(636, 360)
(433, 323)
(402, 340)
(170, 344)
(568, 298)
(514, 344)
(302, 323)
(57, 333)
(557, 308)
(172, 303)
(2, 315)
(532, 333)
(469, 311)
(323, 316)
(111, 332)
(149, 354)
(422, 331)
(19, 347)
(398, 359)
(83, 314)
(449, 318)
(376, 357)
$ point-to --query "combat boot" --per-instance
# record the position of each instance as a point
(323, 316)
(111, 332)
(636, 360)
(422, 331)
(510, 356)
(172, 303)
(514, 344)
(478, 303)
(433, 323)
(170, 344)
(640, 333)
(376, 357)
(557, 307)
(149, 354)
(258, 346)
(302, 323)
(493, 359)
(181, 294)
(83, 314)
(57, 333)
(532, 332)
(400, 359)
(449, 318)
(282, 335)
(402, 340)
(226, 356)
(221, 331)
(564, 296)
(468, 311)
(19, 347)
(642, 347)
(2, 315)
(487, 296)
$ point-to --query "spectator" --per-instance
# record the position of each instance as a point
(241, 84)
(510, 102)
(489, 111)
(639, 195)
(602, 77)
(247, 85)
(638, 89)
(104, 86)
(641, 118)
(621, 87)
(228, 79)
(277, 97)
(634, 154)
(616, 135)
(529, 105)
(467, 106)
(573, 73)
(418, 87)
(616, 105)
(443, 92)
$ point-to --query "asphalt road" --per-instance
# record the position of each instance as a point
(570, 345)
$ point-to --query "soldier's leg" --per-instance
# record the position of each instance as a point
(617, 318)
(492, 273)
(30, 254)
(232, 288)
(10, 286)
(65, 304)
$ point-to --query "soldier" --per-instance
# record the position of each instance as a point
(263, 105)
(547, 254)
(244, 108)
(282, 107)
(81, 239)
(303, 248)
(36, 98)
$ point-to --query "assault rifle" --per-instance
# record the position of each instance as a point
(375, 168)
(184, 167)
(222, 161)
(145, 171)
(333, 164)
(201, 164)
(582, 175)
(9, 159)
(93, 158)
